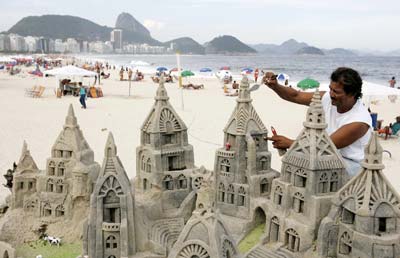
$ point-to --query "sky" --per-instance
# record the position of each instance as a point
(352, 24)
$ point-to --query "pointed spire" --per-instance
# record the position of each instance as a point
(373, 154)
(161, 91)
(71, 120)
(110, 149)
(24, 148)
(315, 114)
(244, 92)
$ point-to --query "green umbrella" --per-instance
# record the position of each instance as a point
(187, 73)
(308, 84)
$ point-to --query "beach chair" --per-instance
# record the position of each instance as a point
(39, 93)
(29, 92)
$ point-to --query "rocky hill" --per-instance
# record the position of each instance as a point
(186, 45)
(309, 51)
(65, 26)
(227, 45)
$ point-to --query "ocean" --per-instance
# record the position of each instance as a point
(377, 69)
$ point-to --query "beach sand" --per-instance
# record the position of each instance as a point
(205, 113)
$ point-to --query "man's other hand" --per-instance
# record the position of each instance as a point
(270, 80)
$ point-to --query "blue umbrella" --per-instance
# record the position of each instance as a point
(162, 69)
(205, 70)
(247, 70)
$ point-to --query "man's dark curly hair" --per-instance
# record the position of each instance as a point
(350, 79)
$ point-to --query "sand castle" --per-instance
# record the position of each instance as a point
(173, 209)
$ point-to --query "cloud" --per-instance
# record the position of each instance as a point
(153, 25)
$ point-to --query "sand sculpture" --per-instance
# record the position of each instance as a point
(173, 209)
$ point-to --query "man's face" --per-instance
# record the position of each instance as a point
(338, 95)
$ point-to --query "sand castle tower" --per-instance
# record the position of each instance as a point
(70, 172)
(312, 172)
(111, 229)
(204, 235)
(243, 165)
(365, 217)
(165, 158)
(25, 182)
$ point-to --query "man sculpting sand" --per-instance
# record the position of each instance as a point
(349, 122)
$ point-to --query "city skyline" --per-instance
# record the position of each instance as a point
(358, 24)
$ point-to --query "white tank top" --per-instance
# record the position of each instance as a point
(335, 120)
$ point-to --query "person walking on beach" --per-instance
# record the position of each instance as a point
(130, 74)
(82, 95)
(121, 74)
(349, 122)
(392, 82)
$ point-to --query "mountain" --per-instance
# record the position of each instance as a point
(309, 51)
(227, 45)
(339, 52)
(288, 47)
(186, 45)
(127, 22)
(66, 26)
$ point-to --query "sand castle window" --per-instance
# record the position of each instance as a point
(30, 185)
(61, 169)
(52, 168)
(230, 194)
(21, 185)
(385, 219)
(173, 163)
(47, 210)
(59, 186)
(225, 165)
(323, 183)
(263, 163)
(168, 183)
(145, 184)
(60, 211)
(182, 182)
(292, 240)
(288, 173)
(5, 254)
(334, 182)
(111, 242)
(298, 202)
(146, 138)
(300, 178)
(345, 245)
(148, 165)
(264, 186)
(278, 195)
(50, 185)
(221, 192)
(168, 138)
(143, 163)
(348, 216)
(241, 196)
(274, 229)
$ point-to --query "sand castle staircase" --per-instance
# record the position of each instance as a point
(243, 165)
(262, 251)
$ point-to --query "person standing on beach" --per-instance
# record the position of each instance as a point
(349, 122)
(392, 82)
(130, 74)
(256, 75)
(82, 95)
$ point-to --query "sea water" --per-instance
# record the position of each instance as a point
(378, 69)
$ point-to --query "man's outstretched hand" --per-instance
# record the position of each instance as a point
(270, 80)
(280, 142)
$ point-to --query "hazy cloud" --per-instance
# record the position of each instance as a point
(153, 25)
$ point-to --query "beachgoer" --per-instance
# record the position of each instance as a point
(82, 95)
(235, 85)
(392, 82)
(121, 74)
(256, 75)
(98, 73)
(348, 120)
(130, 74)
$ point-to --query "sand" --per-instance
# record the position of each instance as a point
(205, 112)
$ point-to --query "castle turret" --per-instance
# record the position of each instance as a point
(243, 164)
(365, 215)
(312, 172)
(111, 229)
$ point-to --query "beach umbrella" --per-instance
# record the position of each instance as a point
(205, 70)
(282, 77)
(247, 70)
(308, 84)
(225, 68)
(187, 73)
(175, 69)
(162, 69)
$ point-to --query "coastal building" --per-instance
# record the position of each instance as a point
(72, 45)
(17, 43)
(31, 44)
(44, 45)
(116, 39)
(5, 44)
(60, 46)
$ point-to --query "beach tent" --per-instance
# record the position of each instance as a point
(282, 77)
(70, 70)
(205, 70)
